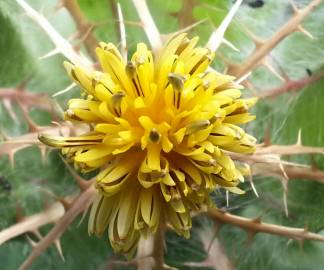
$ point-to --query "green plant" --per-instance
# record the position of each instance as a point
(40, 201)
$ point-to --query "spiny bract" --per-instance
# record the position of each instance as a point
(161, 129)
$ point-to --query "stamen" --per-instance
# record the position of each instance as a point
(177, 81)
(185, 42)
(117, 97)
(155, 136)
(157, 174)
(131, 72)
(197, 126)
(130, 69)
(215, 118)
(110, 48)
(116, 101)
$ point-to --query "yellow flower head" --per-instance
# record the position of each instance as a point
(161, 128)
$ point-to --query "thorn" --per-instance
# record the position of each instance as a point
(283, 170)
(257, 220)
(282, 72)
(58, 246)
(65, 90)
(61, 43)
(305, 32)
(285, 189)
(31, 125)
(252, 185)
(82, 183)
(243, 78)
(42, 149)
(230, 45)
(65, 203)
(257, 41)
(84, 214)
(247, 84)
(122, 32)
(217, 36)
(8, 106)
(37, 234)
(166, 37)
(267, 64)
(294, 7)
(50, 54)
(299, 138)
(149, 26)
(31, 242)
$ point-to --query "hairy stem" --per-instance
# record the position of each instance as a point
(150, 251)
(291, 86)
(256, 225)
(77, 207)
(158, 250)
(266, 47)
(32, 223)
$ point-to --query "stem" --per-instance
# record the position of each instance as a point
(291, 86)
(265, 48)
(255, 226)
(152, 247)
(33, 223)
(158, 249)
(78, 206)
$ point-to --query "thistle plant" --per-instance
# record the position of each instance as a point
(158, 136)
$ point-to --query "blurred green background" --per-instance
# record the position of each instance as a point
(22, 43)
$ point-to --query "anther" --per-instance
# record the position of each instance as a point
(177, 80)
(117, 97)
(212, 162)
(157, 174)
(130, 69)
(184, 44)
(154, 136)
(116, 101)
(197, 126)
(215, 118)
